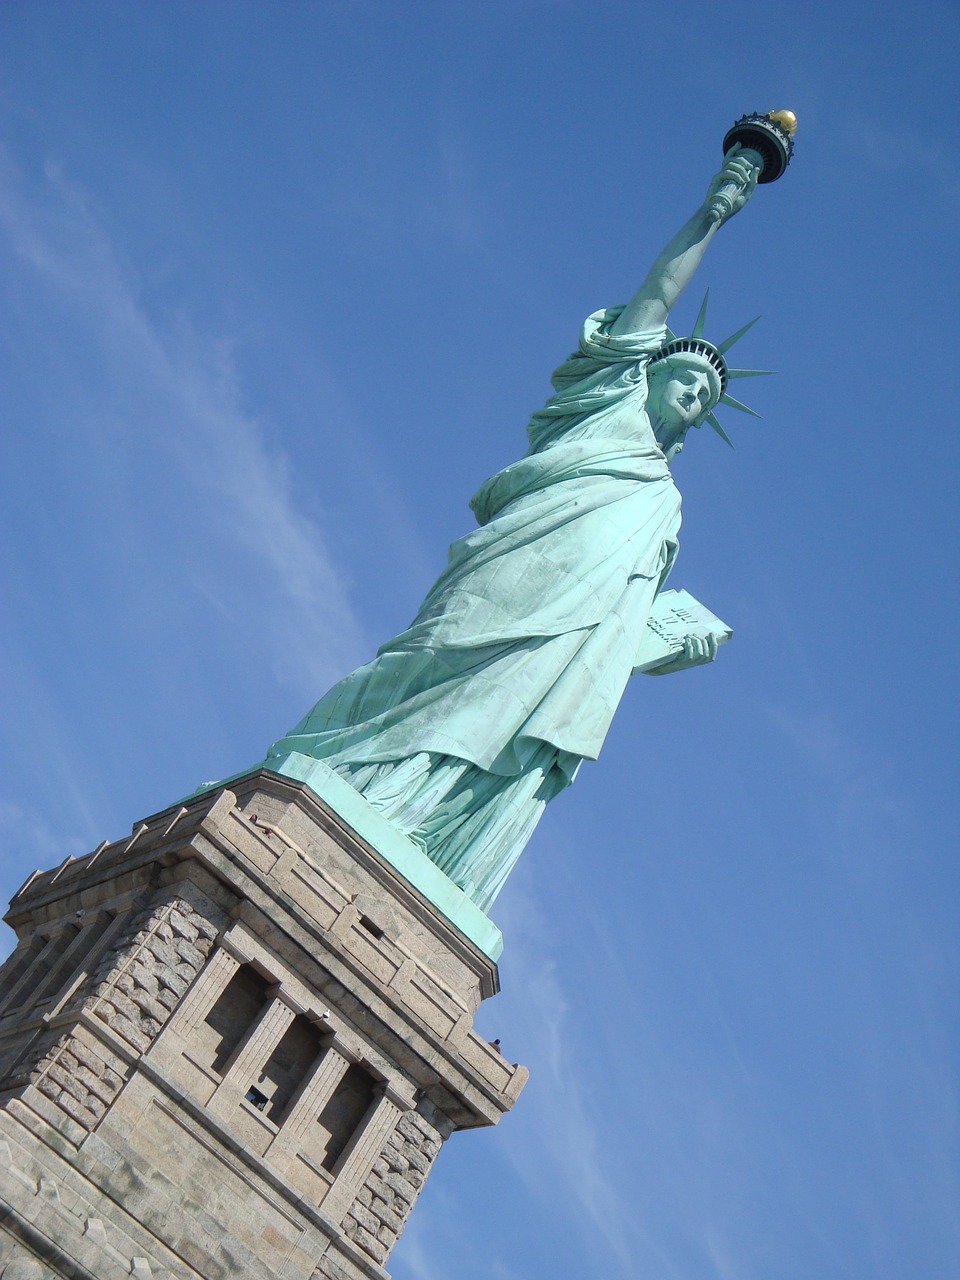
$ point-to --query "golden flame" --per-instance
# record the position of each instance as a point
(785, 119)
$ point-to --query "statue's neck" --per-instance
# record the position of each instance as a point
(669, 438)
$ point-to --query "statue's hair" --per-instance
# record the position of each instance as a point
(699, 351)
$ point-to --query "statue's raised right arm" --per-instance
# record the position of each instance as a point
(673, 269)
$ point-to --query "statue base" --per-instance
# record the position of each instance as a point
(232, 1045)
(401, 852)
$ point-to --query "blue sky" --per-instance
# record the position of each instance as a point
(282, 283)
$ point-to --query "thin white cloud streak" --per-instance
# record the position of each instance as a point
(899, 150)
(569, 1140)
(435, 1234)
(900, 969)
(191, 402)
(723, 1122)
(31, 841)
(28, 842)
(861, 800)
(451, 208)
(416, 1249)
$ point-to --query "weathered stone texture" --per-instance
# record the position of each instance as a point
(151, 969)
(23, 1269)
(377, 1217)
(329, 1268)
(133, 991)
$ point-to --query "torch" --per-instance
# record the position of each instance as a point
(767, 142)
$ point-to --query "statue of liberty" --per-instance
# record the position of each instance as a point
(466, 725)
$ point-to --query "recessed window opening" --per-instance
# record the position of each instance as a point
(57, 962)
(287, 1066)
(371, 927)
(344, 1112)
(234, 1013)
(256, 1098)
(18, 964)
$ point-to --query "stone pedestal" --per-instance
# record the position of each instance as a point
(232, 1045)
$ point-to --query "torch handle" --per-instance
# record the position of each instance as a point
(722, 202)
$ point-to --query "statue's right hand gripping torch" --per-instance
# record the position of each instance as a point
(766, 141)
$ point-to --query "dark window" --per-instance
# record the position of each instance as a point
(340, 1118)
(57, 963)
(234, 1013)
(290, 1061)
(18, 964)
(256, 1098)
(86, 940)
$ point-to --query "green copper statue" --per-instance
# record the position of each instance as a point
(465, 725)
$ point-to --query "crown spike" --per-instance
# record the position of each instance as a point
(696, 348)
(737, 404)
(701, 318)
(711, 418)
(735, 337)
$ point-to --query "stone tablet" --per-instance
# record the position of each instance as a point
(675, 616)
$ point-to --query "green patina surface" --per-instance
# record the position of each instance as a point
(444, 750)
(402, 854)
(381, 834)
(467, 724)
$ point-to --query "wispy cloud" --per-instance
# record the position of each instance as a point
(27, 841)
(451, 208)
(859, 784)
(900, 150)
(31, 839)
(180, 393)
(569, 1161)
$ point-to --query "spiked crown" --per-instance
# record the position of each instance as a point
(696, 348)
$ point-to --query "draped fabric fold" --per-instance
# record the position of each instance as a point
(465, 725)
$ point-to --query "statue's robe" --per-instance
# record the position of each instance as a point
(466, 724)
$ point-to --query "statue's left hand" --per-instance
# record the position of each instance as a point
(732, 187)
(696, 651)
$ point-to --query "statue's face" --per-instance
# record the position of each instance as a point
(679, 395)
(683, 395)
